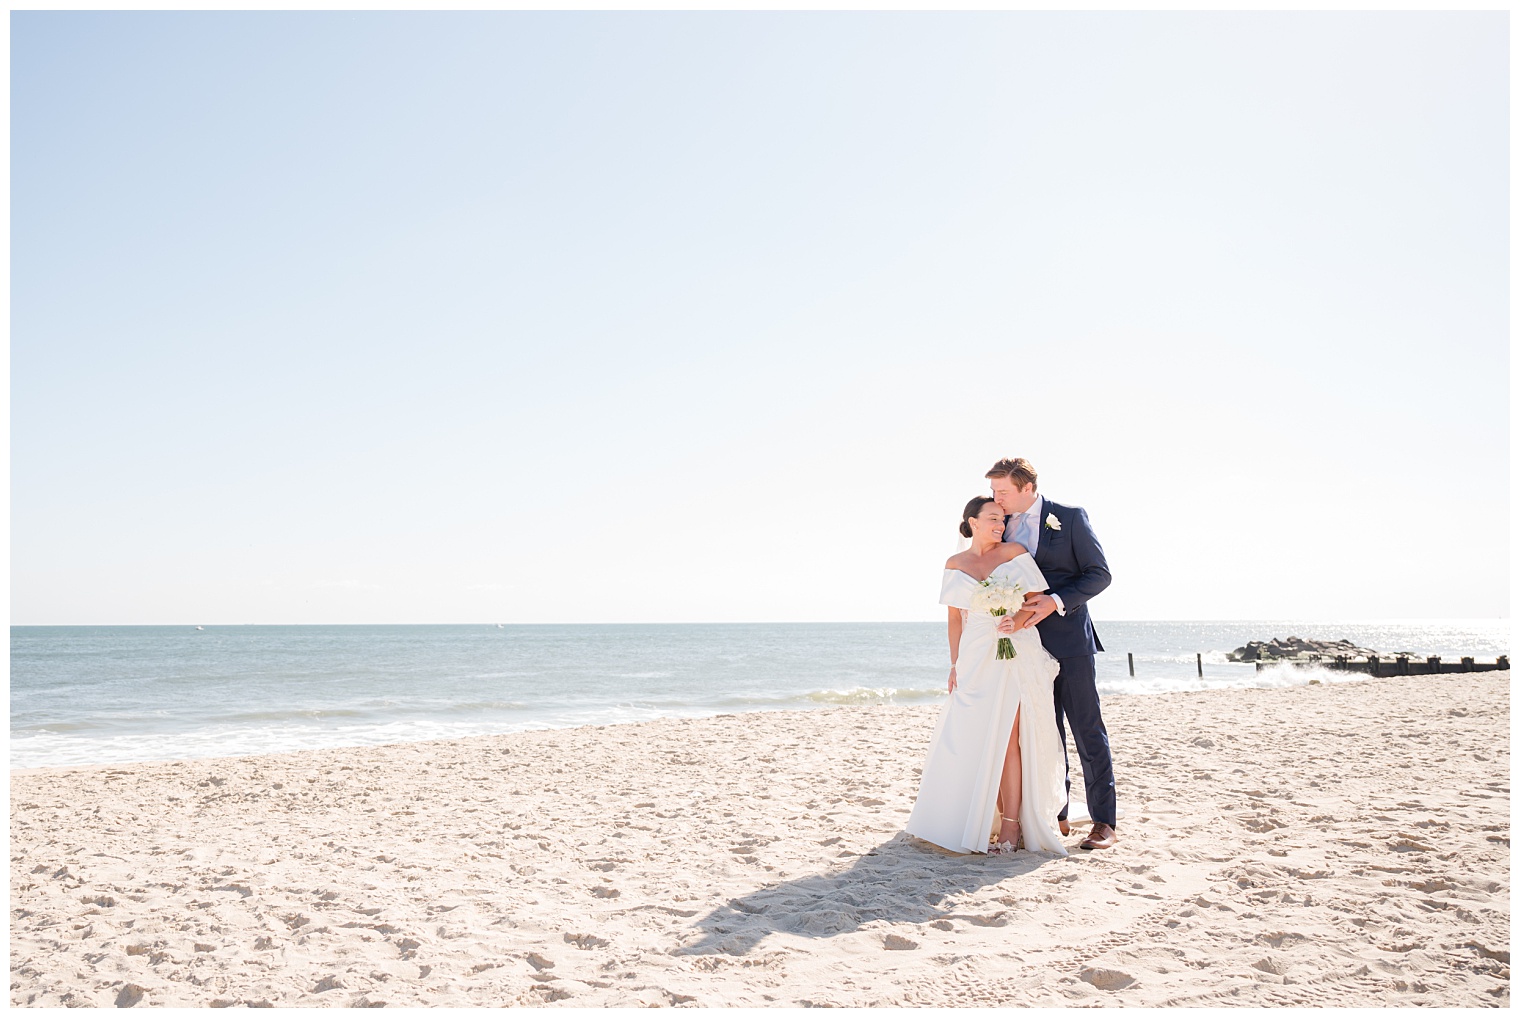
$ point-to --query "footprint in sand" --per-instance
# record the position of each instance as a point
(130, 995)
(1107, 979)
(1488, 952)
(1278, 940)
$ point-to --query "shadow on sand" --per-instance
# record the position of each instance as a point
(903, 880)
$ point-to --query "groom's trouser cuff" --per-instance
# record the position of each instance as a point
(1077, 699)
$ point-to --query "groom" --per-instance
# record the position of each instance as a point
(1068, 553)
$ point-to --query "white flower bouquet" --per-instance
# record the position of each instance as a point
(999, 596)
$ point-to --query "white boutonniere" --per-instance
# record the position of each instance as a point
(1052, 523)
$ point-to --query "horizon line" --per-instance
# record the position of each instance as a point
(790, 622)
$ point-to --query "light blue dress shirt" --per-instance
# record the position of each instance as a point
(1026, 529)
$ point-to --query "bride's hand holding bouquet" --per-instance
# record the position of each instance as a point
(1010, 624)
(997, 595)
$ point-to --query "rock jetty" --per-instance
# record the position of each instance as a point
(1295, 649)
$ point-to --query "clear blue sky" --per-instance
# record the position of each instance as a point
(686, 317)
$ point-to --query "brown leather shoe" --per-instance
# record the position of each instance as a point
(1102, 836)
(1065, 827)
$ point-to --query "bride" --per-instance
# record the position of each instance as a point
(995, 760)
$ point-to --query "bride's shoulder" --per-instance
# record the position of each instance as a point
(1012, 550)
(956, 561)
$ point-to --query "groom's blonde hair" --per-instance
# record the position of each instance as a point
(1019, 471)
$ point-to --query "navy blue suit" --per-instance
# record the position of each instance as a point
(1072, 560)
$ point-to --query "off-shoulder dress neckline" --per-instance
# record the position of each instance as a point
(989, 575)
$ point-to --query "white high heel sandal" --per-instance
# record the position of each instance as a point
(1006, 847)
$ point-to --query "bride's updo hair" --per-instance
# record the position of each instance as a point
(973, 509)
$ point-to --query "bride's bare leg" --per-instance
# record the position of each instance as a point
(1011, 787)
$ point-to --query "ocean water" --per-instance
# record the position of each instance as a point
(111, 694)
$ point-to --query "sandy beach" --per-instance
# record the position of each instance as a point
(1342, 844)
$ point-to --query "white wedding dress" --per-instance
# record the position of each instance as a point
(957, 794)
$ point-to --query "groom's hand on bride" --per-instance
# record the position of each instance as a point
(1040, 607)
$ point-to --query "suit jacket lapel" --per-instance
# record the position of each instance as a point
(1041, 549)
